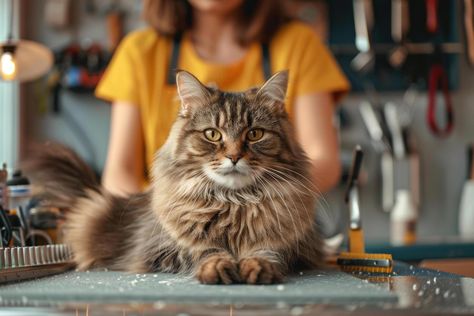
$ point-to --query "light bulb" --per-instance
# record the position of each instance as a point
(7, 66)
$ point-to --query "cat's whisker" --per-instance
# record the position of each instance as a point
(293, 182)
(299, 174)
(317, 191)
(287, 209)
(262, 184)
(255, 175)
(297, 194)
(320, 200)
(292, 201)
(299, 197)
(298, 177)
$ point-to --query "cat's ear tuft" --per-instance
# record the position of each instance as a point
(191, 91)
(275, 87)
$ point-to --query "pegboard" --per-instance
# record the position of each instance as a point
(384, 77)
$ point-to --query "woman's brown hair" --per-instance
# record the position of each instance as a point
(258, 20)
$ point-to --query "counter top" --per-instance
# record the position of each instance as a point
(428, 249)
(408, 290)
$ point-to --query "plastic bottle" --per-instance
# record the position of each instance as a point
(466, 207)
(403, 219)
(466, 211)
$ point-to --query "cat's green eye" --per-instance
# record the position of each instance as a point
(255, 134)
(212, 135)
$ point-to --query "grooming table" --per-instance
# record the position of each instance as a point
(118, 287)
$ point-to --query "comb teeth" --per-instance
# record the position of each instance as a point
(32, 255)
(38, 255)
(13, 257)
(26, 256)
(17, 257)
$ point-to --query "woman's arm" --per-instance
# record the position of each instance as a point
(315, 130)
(123, 172)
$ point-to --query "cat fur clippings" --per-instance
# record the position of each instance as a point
(230, 200)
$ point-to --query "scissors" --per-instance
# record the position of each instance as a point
(438, 79)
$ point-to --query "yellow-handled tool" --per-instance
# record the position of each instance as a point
(356, 259)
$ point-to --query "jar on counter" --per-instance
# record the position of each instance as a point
(19, 191)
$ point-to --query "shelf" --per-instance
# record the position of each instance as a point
(412, 48)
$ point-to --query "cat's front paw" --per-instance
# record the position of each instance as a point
(259, 270)
(219, 268)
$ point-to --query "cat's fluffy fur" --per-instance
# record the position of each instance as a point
(251, 221)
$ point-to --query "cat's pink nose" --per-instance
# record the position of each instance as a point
(234, 158)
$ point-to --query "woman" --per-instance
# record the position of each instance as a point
(233, 44)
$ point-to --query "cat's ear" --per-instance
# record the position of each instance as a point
(191, 91)
(275, 88)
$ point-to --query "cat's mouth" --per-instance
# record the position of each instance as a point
(231, 177)
(233, 171)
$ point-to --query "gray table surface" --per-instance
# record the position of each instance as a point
(110, 287)
(407, 291)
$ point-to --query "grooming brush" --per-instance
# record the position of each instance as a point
(356, 259)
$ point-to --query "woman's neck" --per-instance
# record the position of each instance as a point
(214, 37)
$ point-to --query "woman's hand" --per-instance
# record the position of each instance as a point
(124, 167)
(315, 130)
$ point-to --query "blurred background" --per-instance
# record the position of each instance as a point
(410, 64)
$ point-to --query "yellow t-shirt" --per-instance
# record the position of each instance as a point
(138, 74)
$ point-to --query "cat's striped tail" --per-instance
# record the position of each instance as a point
(59, 176)
(62, 179)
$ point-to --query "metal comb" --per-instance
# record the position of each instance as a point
(19, 263)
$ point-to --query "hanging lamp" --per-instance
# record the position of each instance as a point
(23, 60)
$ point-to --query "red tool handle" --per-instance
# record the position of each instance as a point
(438, 79)
(432, 16)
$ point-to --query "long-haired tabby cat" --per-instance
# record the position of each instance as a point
(230, 199)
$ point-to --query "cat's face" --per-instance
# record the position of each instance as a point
(233, 138)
